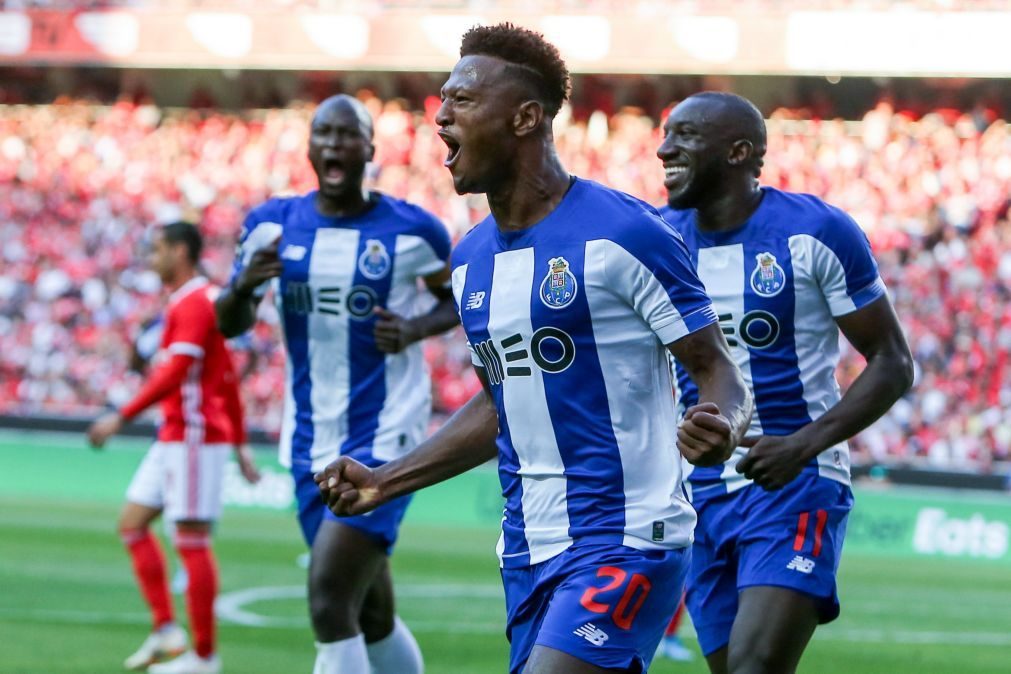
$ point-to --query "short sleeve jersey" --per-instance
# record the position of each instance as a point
(343, 395)
(569, 319)
(778, 282)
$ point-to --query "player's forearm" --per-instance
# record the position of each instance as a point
(467, 440)
(887, 376)
(720, 382)
(441, 318)
(235, 312)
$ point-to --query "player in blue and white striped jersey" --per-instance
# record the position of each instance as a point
(570, 294)
(785, 272)
(345, 266)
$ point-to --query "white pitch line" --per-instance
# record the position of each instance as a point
(231, 607)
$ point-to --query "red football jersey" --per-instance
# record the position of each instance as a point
(194, 378)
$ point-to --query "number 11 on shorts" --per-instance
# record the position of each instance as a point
(631, 601)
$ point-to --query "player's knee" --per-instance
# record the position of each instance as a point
(332, 619)
(758, 656)
(376, 621)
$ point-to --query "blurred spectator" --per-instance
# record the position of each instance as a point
(80, 184)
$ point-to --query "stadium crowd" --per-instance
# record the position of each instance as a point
(80, 185)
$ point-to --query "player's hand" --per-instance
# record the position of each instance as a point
(263, 266)
(247, 466)
(104, 428)
(773, 461)
(348, 487)
(393, 333)
(705, 437)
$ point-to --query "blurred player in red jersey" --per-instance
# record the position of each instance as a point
(195, 382)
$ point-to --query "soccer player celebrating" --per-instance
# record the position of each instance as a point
(786, 272)
(345, 265)
(182, 473)
(569, 293)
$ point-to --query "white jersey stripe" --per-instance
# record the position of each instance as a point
(328, 346)
(545, 508)
(818, 348)
(721, 269)
(650, 477)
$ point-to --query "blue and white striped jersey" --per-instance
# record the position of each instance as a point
(569, 319)
(777, 283)
(342, 395)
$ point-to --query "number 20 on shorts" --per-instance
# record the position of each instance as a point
(631, 601)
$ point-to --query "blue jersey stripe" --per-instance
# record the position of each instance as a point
(366, 364)
(479, 279)
(595, 488)
(779, 392)
(296, 335)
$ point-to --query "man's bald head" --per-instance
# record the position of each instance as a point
(347, 102)
(735, 118)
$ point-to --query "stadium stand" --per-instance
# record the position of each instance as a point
(80, 183)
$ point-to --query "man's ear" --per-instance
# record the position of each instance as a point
(528, 118)
(371, 153)
(740, 152)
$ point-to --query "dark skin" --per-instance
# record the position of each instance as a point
(712, 151)
(350, 590)
(500, 143)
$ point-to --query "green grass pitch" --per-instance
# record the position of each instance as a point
(68, 601)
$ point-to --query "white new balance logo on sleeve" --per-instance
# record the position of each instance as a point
(475, 300)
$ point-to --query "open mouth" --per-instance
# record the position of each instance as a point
(674, 175)
(333, 171)
(454, 150)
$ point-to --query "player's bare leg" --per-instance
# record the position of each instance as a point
(772, 628)
(378, 609)
(390, 644)
(343, 565)
(544, 660)
(717, 661)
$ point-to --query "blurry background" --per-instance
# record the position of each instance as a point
(118, 115)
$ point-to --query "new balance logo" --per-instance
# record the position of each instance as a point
(802, 564)
(293, 252)
(590, 632)
(475, 300)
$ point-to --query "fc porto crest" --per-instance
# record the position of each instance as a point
(768, 278)
(558, 288)
(374, 262)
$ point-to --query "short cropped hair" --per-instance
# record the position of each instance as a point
(186, 233)
(532, 56)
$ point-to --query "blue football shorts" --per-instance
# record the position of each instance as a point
(789, 538)
(381, 525)
(604, 604)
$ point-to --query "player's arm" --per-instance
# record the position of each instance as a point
(715, 426)
(874, 331)
(394, 333)
(465, 441)
(166, 378)
(235, 307)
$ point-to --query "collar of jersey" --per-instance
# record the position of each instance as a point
(318, 219)
(519, 237)
(740, 232)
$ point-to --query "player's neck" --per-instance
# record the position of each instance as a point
(347, 205)
(180, 279)
(530, 194)
(729, 210)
